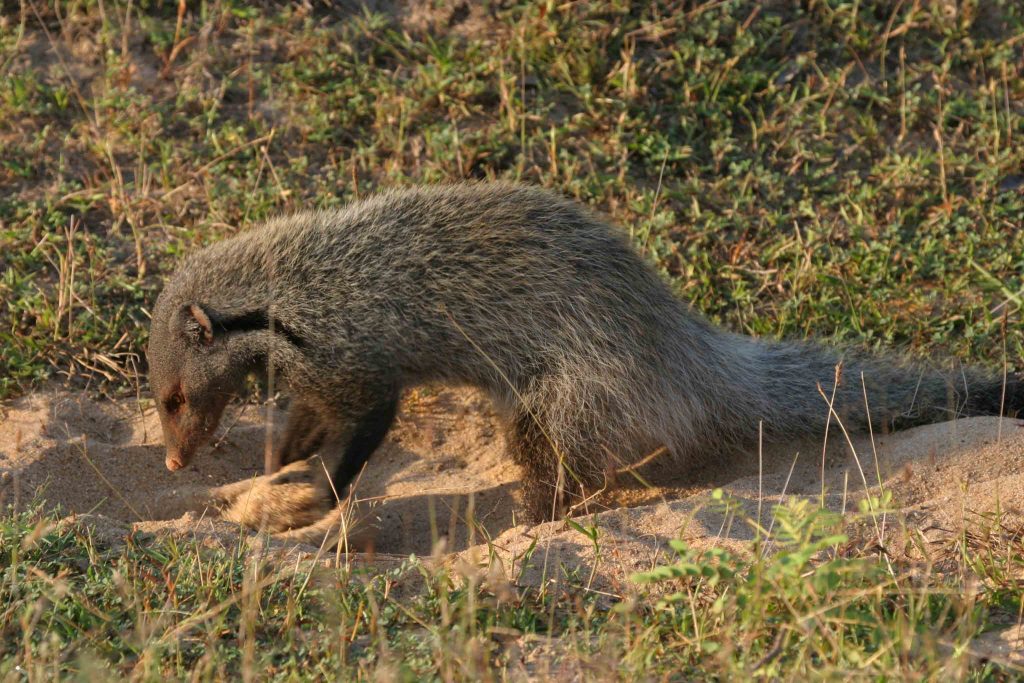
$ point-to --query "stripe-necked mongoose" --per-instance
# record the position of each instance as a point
(521, 293)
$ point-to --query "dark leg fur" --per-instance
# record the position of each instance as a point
(303, 435)
(532, 451)
(308, 431)
(367, 436)
(549, 485)
(990, 401)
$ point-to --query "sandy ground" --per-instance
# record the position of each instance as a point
(442, 475)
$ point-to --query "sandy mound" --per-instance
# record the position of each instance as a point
(442, 474)
(106, 458)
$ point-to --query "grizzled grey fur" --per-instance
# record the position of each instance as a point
(528, 296)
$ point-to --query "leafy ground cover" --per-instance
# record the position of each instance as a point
(149, 609)
(845, 170)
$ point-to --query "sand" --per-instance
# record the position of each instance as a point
(444, 464)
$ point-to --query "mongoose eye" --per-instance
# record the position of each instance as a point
(172, 404)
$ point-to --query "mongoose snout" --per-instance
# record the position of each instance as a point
(174, 461)
(191, 381)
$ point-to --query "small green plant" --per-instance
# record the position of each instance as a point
(809, 602)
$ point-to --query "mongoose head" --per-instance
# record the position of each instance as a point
(191, 375)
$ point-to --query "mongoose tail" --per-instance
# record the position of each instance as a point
(799, 382)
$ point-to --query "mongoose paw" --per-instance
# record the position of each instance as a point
(334, 530)
(297, 496)
(179, 501)
(293, 475)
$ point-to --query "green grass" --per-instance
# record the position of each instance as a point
(154, 609)
(847, 170)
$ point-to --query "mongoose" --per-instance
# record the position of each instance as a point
(526, 295)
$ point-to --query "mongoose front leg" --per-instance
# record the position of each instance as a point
(296, 496)
(299, 494)
(305, 521)
(367, 435)
(303, 435)
(346, 437)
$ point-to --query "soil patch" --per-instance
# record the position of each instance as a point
(443, 476)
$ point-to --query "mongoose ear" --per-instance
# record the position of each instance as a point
(196, 325)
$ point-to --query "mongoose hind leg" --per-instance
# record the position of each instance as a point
(550, 481)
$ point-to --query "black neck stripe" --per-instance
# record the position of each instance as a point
(254, 321)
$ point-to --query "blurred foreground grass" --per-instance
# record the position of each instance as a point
(77, 606)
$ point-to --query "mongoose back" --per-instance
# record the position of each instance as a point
(584, 349)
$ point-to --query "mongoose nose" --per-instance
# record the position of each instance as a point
(174, 461)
